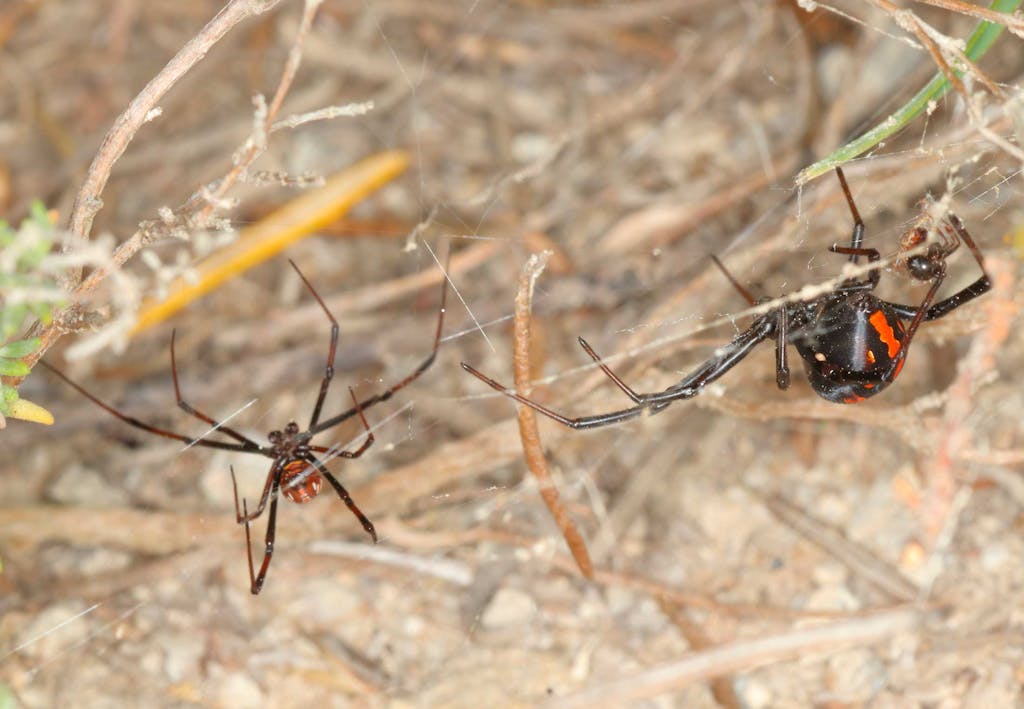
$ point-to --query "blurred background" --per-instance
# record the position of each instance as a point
(633, 140)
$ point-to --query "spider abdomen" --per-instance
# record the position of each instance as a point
(300, 481)
(853, 349)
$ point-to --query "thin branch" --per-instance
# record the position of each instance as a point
(256, 145)
(88, 201)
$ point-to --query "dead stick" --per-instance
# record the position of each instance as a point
(88, 202)
(528, 432)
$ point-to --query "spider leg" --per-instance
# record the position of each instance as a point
(256, 580)
(329, 369)
(782, 348)
(335, 452)
(273, 479)
(725, 359)
(345, 497)
(581, 422)
(855, 250)
(970, 292)
(369, 434)
(781, 331)
(857, 237)
(874, 275)
(911, 328)
(188, 408)
(782, 326)
(390, 391)
(132, 421)
(248, 540)
(732, 279)
(607, 370)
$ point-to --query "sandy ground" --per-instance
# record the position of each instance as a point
(754, 547)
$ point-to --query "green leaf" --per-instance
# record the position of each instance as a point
(39, 214)
(6, 695)
(11, 318)
(21, 348)
(43, 311)
(983, 37)
(8, 395)
(13, 368)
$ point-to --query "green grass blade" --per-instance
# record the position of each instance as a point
(981, 40)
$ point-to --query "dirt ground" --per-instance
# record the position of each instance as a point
(752, 547)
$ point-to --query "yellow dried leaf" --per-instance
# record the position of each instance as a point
(278, 230)
(27, 411)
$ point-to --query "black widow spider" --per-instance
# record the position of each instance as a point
(297, 472)
(853, 344)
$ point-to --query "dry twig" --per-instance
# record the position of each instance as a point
(528, 432)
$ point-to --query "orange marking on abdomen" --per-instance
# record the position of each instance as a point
(885, 332)
(300, 481)
(853, 399)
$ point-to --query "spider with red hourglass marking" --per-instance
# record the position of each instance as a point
(853, 344)
(297, 471)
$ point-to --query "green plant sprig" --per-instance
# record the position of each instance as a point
(25, 290)
(981, 40)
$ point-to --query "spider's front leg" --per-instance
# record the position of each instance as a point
(929, 269)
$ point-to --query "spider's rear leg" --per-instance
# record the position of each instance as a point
(346, 498)
(338, 487)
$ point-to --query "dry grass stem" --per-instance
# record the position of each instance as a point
(528, 432)
(855, 557)
(1013, 22)
(744, 655)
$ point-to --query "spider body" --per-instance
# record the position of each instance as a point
(299, 481)
(853, 348)
(299, 468)
(853, 344)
